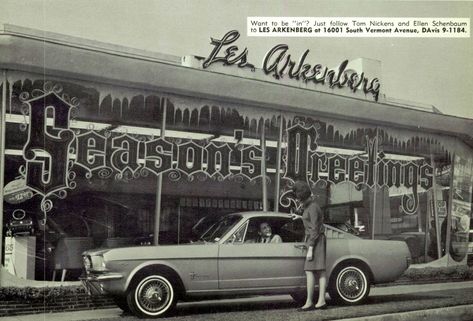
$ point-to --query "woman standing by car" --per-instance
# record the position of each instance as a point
(316, 242)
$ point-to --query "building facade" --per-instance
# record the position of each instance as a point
(109, 146)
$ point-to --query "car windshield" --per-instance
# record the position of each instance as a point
(215, 232)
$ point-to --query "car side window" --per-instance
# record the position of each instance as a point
(252, 231)
(332, 233)
(287, 230)
(293, 231)
(239, 235)
(258, 227)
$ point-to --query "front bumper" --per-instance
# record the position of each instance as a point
(95, 284)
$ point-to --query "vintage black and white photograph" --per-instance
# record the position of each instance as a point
(236, 160)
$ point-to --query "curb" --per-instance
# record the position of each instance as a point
(422, 281)
(100, 314)
(457, 313)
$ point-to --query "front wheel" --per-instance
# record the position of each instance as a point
(349, 284)
(152, 296)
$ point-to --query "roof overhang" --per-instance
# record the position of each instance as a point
(136, 69)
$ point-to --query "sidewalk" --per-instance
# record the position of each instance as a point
(416, 288)
(67, 316)
(457, 313)
(460, 312)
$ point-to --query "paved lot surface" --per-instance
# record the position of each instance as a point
(382, 301)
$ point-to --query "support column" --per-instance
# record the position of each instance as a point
(375, 187)
(278, 167)
(382, 209)
(263, 167)
(434, 208)
(3, 108)
(159, 187)
(448, 236)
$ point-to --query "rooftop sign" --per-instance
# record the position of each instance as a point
(279, 63)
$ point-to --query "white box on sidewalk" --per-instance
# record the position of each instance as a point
(20, 257)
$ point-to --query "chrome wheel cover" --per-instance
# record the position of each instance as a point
(154, 295)
(352, 284)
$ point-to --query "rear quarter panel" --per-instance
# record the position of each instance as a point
(386, 259)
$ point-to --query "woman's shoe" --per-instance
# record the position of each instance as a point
(322, 307)
(311, 308)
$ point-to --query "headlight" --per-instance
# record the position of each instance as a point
(94, 263)
(87, 262)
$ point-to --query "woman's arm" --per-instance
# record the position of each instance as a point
(310, 253)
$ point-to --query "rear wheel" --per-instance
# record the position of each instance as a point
(152, 296)
(349, 284)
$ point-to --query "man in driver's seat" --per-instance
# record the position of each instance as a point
(265, 234)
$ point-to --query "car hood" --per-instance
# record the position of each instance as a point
(98, 251)
(152, 252)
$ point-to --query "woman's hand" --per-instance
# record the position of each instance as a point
(295, 216)
(310, 253)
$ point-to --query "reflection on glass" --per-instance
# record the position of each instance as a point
(222, 226)
(461, 206)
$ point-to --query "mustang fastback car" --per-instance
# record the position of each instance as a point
(227, 261)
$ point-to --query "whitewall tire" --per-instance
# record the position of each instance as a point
(349, 284)
(152, 296)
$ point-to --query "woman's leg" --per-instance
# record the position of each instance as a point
(310, 289)
(322, 287)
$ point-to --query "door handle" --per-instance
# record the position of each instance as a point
(300, 247)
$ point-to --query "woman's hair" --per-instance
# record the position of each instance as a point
(302, 190)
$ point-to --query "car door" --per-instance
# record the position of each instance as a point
(245, 264)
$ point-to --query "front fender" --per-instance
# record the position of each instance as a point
(347, 258)
(146, 264)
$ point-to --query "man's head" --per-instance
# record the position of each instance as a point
(301, 190)
(265, 229)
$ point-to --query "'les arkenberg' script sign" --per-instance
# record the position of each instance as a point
(279, 63)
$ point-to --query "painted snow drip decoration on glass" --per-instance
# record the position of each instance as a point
(107, 103)
(304, 162)
(53, 148)
(203, 140)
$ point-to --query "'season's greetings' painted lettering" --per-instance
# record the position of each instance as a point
(48, 157)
